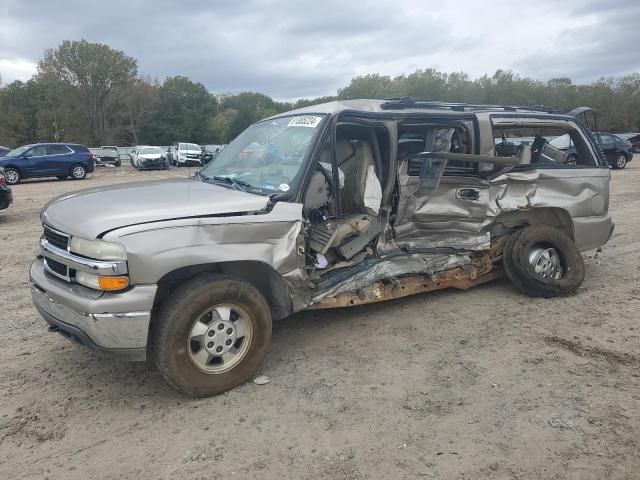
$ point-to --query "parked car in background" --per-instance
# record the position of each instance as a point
(633, 138)
(6, 197)
(105, 156)
(151, 158)
(210, 152)
(617, 151)
(111, 154)
(185, 154)
(4, 150)
(60, 160)
(321, 207)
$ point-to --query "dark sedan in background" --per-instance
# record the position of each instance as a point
(633, 138)
(6, 197)
(617, 151)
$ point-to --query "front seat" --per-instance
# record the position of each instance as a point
(362, 190)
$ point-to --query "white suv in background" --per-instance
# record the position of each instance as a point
(183, 154)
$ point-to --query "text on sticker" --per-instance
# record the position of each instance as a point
(304, 121)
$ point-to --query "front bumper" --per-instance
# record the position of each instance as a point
(159, 164)
(6, 197)
(112, 323)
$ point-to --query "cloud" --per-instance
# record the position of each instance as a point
(292, 49)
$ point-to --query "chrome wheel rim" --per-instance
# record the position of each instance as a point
(621, 161)
(546, 262)
(11, 176)
(220, 338)
(78, 172)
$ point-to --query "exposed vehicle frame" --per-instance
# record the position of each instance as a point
(197, 269)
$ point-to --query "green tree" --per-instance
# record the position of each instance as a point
(87, 74)
(183, 111)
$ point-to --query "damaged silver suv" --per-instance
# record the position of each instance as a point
(333, 205)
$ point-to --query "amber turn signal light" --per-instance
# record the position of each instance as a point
(113, 283)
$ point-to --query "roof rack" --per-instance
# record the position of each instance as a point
(408, 102)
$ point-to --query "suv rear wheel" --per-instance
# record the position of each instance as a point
(621, 162)
(78, 172)
(543, 261)
(211, 335)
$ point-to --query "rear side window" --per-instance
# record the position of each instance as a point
(80, 148)
(58, 150)
(542, 146)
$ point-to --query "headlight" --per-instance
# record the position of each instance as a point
(102, 282)
(98, 249)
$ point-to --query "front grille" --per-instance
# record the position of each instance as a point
(57, 239)
(56, 268)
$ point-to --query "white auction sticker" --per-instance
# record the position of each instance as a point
(310, 121)
(284, 187)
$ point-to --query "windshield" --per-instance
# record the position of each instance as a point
(19, 151)
(189, 146)
(268, 155)
(150, 151)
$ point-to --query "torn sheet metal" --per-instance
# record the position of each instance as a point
(395, 266)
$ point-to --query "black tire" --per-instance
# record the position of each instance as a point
(118, 163)
(620, 162)
(78, 172)
(507, 258)
(522, 273)
(12, 176)
(171, 329)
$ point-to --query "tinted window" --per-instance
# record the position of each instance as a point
(39, 151)
(57, 150)
(606, 139)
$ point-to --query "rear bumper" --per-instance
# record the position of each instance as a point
(592, 232)
(111, 323)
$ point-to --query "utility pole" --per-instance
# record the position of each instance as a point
(56, 137)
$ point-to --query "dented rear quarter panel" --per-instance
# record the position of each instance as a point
(582, 192)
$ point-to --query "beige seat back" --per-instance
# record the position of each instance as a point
(356, 168)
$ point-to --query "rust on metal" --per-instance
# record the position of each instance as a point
(481, 271)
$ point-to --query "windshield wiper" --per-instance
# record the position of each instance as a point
(236, 184)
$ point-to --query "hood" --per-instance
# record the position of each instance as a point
(89, 213)
(149, 156)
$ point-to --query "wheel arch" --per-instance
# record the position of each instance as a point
(259, 274)
(552, 216)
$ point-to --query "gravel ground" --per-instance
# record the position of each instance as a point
(480, 384)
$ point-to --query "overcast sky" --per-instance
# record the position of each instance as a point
(292, 49)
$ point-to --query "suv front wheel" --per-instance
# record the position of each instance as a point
(211, 335)
(543, 261)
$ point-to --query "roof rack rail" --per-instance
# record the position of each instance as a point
(408, 102)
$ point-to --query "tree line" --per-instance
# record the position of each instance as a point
(92, 94)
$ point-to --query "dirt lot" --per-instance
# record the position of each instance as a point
(480, 384)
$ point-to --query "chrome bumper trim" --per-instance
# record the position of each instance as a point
(115, 267)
